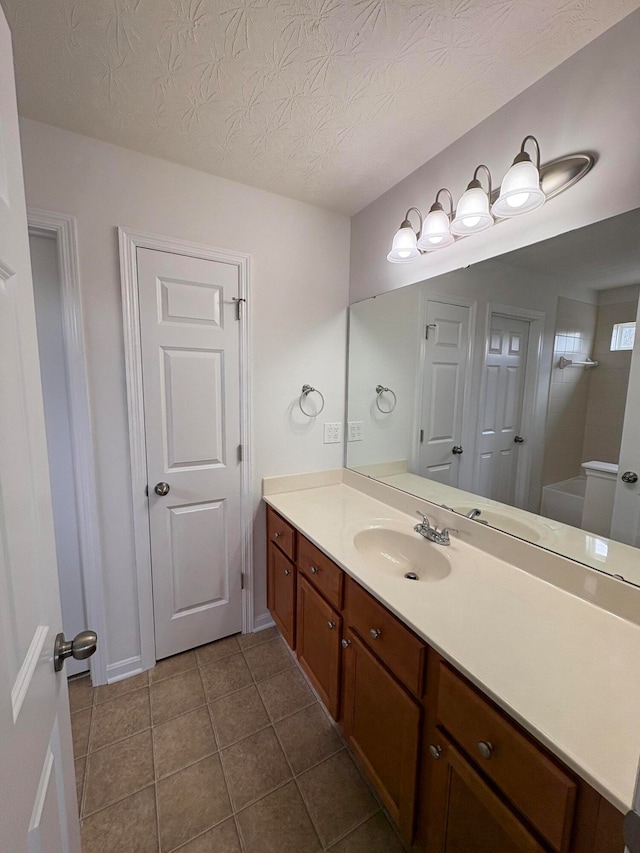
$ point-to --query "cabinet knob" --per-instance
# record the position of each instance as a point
(276, 535)
(435, 751)
(287, 571)
(375, 633)
(485, 748)
(313, 570)
(331, 625)
(345, 643)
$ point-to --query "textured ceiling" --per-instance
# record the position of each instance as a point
(328, 101)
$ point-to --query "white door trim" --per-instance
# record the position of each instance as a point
(533, 413)
(63, 228)
(130, 240)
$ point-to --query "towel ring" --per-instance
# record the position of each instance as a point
(380, 389)
(306, 390)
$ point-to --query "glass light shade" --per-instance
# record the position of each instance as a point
(472, 214)
(520, 191)
(404, 248)
(436, 232)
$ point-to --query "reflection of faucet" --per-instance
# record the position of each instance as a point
(441, 537)
(474, 514)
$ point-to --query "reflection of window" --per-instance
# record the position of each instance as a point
(623, 336)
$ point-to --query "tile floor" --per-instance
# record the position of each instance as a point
(224, 748)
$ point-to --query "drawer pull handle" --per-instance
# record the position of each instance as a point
(375, 633)
(313, 570)
(435, 751)
(485, 748)
(276, 535)
(331, 625)
(287, 571)
(345, 644)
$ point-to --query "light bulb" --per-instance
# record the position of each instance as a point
(520, 191)
(472, 215)
(517, 200)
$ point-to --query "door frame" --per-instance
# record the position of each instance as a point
(129, 241)
(63, 229)
(426, 296)
(532, 412)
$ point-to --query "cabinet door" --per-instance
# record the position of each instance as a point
(381, 721)
(281, 593)
(318, 633)
(464, 814)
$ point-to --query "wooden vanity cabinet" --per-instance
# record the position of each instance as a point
(466, 815)
(382, 721)
(446, 761)
(281, 576)
(318, 633)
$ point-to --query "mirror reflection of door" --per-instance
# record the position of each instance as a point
(500, 427)
(444, 379)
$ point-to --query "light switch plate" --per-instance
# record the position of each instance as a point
(332, 433)
(355, 431)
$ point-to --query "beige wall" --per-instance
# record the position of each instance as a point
(569, 390)
(608, 385)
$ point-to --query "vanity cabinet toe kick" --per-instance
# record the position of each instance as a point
(454, 771)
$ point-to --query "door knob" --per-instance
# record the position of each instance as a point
(457, 450)
(162, 489)
(629, 477)
(519, 439)
(81, 647)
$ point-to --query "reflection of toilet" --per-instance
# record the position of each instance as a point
(599, 495)
(585, 502)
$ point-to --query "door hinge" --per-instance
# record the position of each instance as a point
(421, 436)
(240, 453)
(238, 300)
(146, 491)
(429, 326)
(243, 580)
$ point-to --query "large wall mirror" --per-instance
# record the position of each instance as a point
(502, 391)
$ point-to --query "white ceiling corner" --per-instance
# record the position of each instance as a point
(326, 101)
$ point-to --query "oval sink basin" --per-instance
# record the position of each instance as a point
(399, 554)
(503, 522)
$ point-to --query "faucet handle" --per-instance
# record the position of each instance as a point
(425, 520)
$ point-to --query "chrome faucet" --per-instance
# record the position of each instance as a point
(424, 528)
(474, 515)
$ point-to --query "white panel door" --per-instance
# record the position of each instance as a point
(190, 365)
(445, 367)
(500, 425)
(38, 808)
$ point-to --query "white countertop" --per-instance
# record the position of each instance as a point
(567, 669)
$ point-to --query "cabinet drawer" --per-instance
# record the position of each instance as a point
(282, 533)
(321, 571)
(392, 642)
(535, 785)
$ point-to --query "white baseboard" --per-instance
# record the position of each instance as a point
(262, 622)
(124, 669)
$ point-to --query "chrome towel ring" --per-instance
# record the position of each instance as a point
(380, 390)
(306, 390)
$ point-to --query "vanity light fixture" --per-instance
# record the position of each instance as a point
(520, 191)
(436, 231)
(526, 186)
(473, 215)
(404, 248)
